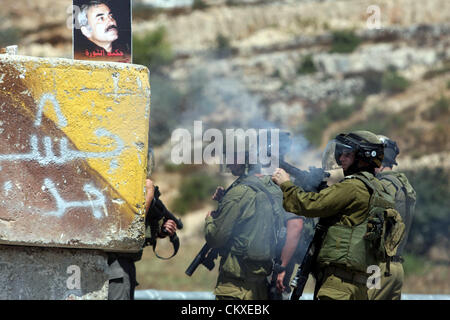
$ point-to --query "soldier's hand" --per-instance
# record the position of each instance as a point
(280, 284)
(211, 214)
(280, 176)
(170, 226)
(218, 195)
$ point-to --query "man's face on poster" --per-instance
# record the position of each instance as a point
(102, 25)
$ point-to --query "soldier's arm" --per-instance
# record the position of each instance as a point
(293, 231)
(218, 229)
(150, 193)
(326, 203)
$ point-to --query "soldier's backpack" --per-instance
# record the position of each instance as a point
(259, 236)
(385, 226)
(405, 199)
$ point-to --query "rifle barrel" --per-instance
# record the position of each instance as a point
(199, 258)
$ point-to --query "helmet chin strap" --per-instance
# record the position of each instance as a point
(353, 168)
(356, 167)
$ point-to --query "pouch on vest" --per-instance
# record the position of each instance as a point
(346, 246)
(374, 240)
(409, 191)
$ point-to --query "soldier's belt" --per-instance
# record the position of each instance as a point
(349, 276)
(397, 259)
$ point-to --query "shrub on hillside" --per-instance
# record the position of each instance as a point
(307, 66)
(195, 191)
(152, 49)
(334, 112)
(9, 36)
(393, 83)
(166, 106)
(438, 109)
(223, 46)
(344, 41)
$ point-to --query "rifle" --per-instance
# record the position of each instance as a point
(156, 212)
(273, 292)
(206, 256)
(309, 260)
(312, 180)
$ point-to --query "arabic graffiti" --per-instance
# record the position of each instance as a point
(95, 204)
(49, 97)
(66, 154)
(96, 201)
(7, 186)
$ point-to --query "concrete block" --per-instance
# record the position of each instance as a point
(31, 273)
(73, 146)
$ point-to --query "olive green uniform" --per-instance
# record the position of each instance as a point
(344, 204)
(391, 286)
(239, 277)
(122, 273)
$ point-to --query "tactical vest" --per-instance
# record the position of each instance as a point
(405, 200)
(260, 230)
(369, 243)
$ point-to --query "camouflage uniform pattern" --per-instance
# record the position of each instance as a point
(348, 201)
(239, 277)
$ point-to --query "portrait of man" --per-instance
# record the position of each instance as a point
(102, 30)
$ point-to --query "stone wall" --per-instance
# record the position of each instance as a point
(31, 273)
(73, 146)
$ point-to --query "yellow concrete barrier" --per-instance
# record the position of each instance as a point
(73, 146)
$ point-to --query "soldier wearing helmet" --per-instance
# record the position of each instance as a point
(401, 190)
(245, 229)
(341, 266)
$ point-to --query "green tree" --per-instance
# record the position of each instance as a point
(152, 49)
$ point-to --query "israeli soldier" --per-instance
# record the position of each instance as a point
(243, 228)
(121, 266)
(401, 190)
(342, 262)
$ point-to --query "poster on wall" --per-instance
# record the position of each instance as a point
(102, 30)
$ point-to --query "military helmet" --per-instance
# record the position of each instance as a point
(391, 151)
(366, 145)
(240, 151)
